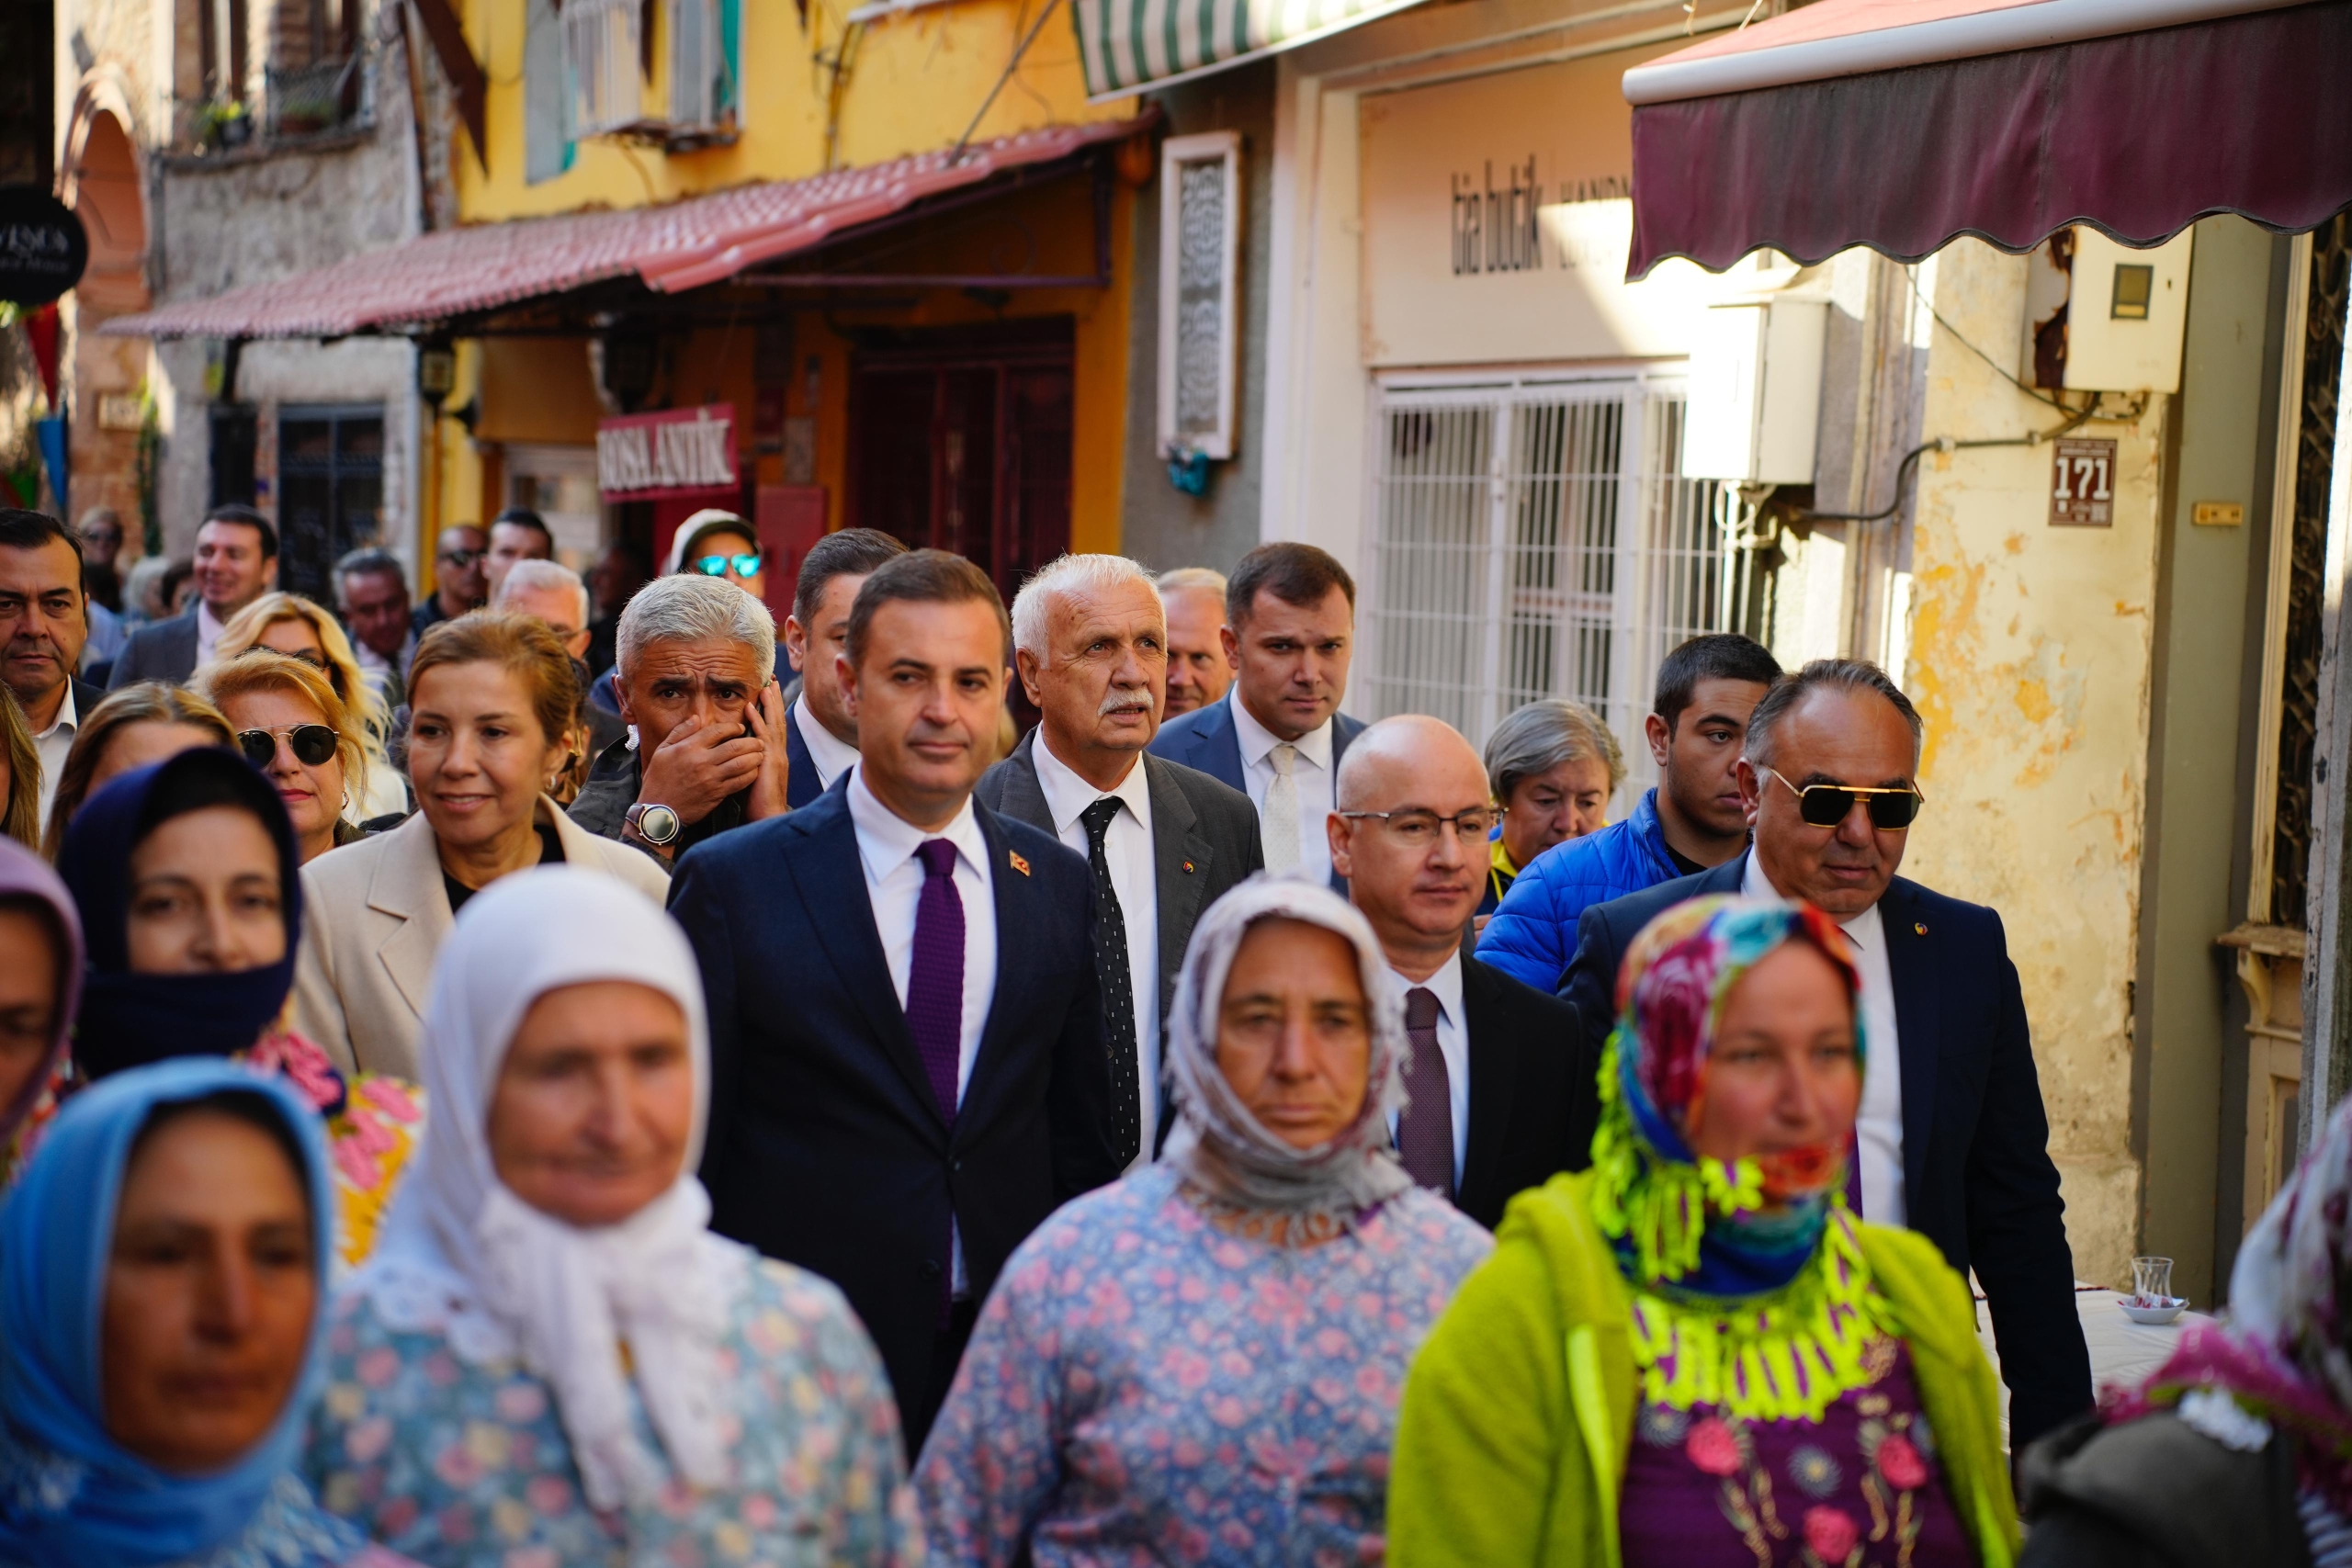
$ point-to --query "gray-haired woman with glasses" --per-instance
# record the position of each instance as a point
(1553, 766)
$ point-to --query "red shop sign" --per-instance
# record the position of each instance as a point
(678, 452)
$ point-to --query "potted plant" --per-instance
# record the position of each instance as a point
(223, 124)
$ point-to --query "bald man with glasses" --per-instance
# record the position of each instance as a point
(1951, 1139)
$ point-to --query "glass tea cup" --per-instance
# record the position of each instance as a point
(2151, 1281)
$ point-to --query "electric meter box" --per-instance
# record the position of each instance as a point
(1754, 392)
(2126, 313)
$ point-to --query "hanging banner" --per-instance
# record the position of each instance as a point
(678, 452)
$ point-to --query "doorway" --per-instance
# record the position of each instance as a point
(330, 491)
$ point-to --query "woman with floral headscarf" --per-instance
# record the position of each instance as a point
(1692, 1354)
(1201, 1363)
(2237, 1450)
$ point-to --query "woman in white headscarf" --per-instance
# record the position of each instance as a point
(1201, 1362)
(549, 1359)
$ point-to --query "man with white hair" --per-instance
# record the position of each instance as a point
(1089, 641)
(551, 591)
(706, 750)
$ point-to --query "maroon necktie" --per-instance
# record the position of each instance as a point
(936, 975)
(1425, 1131)
(1854, 1173)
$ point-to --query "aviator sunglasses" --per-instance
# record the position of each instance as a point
(312, 744)
(716, 565)
(1825, 805)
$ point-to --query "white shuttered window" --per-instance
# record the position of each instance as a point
(1532, 537)
(600, 56)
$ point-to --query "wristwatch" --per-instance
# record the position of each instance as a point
(657, 825)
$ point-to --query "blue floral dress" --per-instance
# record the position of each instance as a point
(1144, 1387)
(459, 1459)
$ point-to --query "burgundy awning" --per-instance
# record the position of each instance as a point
(1902, 124)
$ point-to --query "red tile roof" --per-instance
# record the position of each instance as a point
(681, 246)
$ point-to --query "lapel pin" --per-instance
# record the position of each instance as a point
(1018, 863)
(1919, 926)
(1188, 868)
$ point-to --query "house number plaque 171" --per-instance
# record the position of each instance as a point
(2082, 489)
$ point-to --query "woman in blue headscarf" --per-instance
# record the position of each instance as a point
(186, 876)
(163, 1265)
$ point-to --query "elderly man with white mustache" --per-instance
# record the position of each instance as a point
(1089, 641)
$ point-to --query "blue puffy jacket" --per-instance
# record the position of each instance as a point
(1533, 937)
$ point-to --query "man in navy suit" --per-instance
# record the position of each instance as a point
(1951, 1139)
(236, 563)
(821, 735)
(1278, 736)
(907, 1068)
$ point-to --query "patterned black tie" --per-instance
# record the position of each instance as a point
(1117, 984)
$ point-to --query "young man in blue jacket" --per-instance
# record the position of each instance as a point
(1692, 821)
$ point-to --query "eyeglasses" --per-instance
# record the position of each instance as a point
(716, 565)
(1825, 805)
(462, 558)
(312, 744)
(1417, 828)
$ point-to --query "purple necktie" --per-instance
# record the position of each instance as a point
(1425, 1131)
(935, 975)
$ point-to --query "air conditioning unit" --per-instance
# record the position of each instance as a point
(1754, 392)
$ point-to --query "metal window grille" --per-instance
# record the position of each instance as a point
(600, 53)
(1535, 539)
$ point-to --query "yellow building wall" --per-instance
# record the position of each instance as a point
(2030, 660)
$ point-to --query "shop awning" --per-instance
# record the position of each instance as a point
(1902, 124)
(1130, 45)
(465, 272)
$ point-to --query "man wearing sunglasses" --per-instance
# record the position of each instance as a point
(1951, 1139)
(460, 576)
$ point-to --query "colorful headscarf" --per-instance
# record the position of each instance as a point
(25, 876)
(1228, 1152)
(128, 1019)
(69, 1493)
(2283, 1355)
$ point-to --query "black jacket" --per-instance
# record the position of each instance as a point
(826, 1147)
(2156, 1493)
(1977, 1174)
(1531, 1070)
(604, 801)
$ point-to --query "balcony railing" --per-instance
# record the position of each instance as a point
(315, 100)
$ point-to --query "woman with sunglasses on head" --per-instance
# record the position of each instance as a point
(135, 727)
(719, 544)
(291, 726)
(184, 874)
(1693, 1354)
(162, 1327)
(290, 625)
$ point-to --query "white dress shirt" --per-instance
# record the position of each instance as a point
(829, 751)
(1878, 1125)
(1129, 849)
(1454, 1045)
(1313, 773)
(52, 744)
(887, 843)
(208, 633)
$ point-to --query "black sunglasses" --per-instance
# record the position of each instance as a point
(462, 558)
(312, 744)
(1825, 805)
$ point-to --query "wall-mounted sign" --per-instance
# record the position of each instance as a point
(43, 247)
(2081, 490)
(648, 456)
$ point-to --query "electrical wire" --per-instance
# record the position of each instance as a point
(1944, 443)
(1010, 67)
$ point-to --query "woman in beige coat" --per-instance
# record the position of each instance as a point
(491, 698)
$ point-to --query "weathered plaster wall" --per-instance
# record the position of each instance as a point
(2030, 660)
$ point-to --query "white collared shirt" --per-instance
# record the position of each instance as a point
(208, 633)
(1129, 851)
(52, 745)
(832, 755)
(1878, 1125)
(887, 843)
(1312, 773)
(1454, 1045)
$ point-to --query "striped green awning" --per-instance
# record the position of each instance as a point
(1129, 45)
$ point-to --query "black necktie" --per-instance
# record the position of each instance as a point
(1118, 985)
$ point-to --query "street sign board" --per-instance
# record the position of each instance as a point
(2082, 491)
(43, 247)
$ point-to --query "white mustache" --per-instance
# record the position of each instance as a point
(1129, 699)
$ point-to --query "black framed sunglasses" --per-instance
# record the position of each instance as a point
(716, 565)
(462, 558)
(312, 744)
(1825, 805)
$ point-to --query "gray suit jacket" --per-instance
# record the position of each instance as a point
(1205, 841)
(164, 652)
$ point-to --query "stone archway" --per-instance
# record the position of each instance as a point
(103, 178)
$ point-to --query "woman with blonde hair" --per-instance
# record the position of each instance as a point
(141, 723)
(293, 625)
(19, 775)
(291, 724)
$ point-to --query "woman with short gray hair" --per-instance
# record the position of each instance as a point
(1553, 766)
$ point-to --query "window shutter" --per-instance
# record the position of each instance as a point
(600, 53)
(1200, 257)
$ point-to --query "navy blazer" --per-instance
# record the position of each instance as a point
(1977, 1179)
(161, 650)
(1204, 739)
(801, 786)
(826, 1146)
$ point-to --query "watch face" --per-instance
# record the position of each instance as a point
(659, 824)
